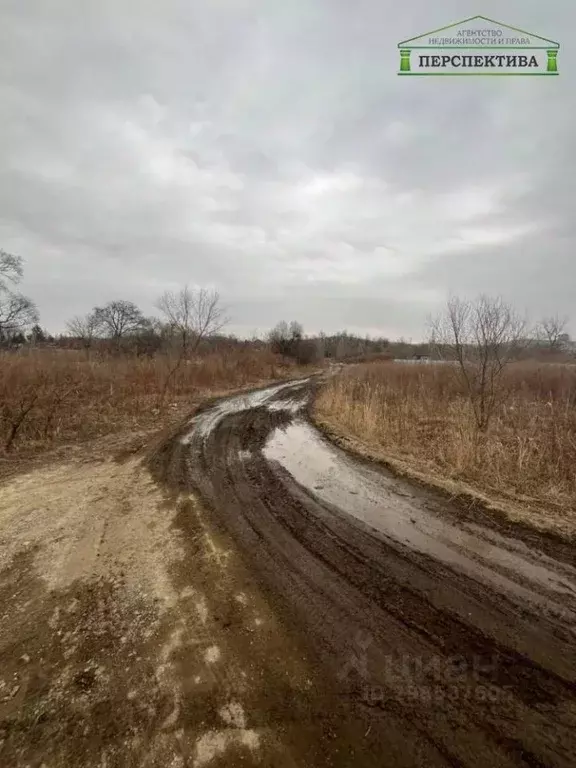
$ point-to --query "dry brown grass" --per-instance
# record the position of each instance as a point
(418, 415)
(53, 396)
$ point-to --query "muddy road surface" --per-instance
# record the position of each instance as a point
(432, 638)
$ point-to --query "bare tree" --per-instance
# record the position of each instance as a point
(10, 269)
(83, 327)
(285, 338)
(552, 331)
(119, 319)
(192, 315)
(17, 312)
(481, 338)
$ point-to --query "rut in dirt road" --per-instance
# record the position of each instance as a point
(435, 640)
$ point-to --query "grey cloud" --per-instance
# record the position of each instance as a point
(270, 150)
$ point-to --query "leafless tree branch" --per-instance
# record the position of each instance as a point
(10, 269)
(192, 316)
(16, 313)
(481, 338)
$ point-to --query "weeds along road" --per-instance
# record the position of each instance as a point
(436, 639)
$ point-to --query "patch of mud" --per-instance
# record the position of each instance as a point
(416, 649)
(214, 744)
(376, 499)
(284, 400)
(212, 654)
(121, 641)
(235, 738)
(91, 519)
(517, 517)
(81, 671)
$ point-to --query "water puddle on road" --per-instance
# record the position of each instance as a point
(203, 424)
(386, 504)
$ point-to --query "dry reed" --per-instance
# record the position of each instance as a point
(420, 414)
(52, 395)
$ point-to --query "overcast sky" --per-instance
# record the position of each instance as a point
(268, 149)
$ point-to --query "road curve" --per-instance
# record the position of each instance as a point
(436, 641)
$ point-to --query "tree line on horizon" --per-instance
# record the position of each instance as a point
(192, 320)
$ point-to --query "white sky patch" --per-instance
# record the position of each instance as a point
(400, 132)
(349, 267)
(157, 150)
(240, 238)
(336, 183)
(412, 225)
(491, 236)
(469, 203)
(470, 237)
(55, 170)
(155, 113)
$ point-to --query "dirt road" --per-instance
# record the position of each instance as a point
(246, 594)
(434, 638)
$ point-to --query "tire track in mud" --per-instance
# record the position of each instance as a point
(420, 662)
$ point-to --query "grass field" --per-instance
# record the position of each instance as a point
(50, 396)
(419, 416)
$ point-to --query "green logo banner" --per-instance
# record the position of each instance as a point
(478, 46)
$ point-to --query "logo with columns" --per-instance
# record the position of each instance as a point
(478, 46)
